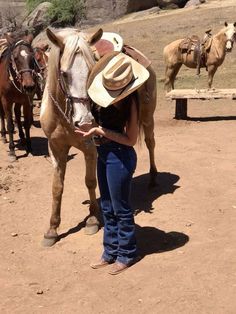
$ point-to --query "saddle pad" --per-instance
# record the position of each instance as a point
(104, 46)
(108, 43)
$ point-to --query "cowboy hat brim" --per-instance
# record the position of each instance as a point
(104, 97)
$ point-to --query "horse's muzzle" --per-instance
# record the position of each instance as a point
(29, 89)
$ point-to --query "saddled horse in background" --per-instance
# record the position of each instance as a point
(66, 105)
(214, 55)
(17, 84)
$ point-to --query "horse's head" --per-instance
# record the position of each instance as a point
(230, 33)
(75, 64)
(41, 60)
(22, 63)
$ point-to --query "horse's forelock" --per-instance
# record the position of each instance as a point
(53, 64)
(71, 47)
(74, 43)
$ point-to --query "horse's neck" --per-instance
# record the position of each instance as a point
(219, 43)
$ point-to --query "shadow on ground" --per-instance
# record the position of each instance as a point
(211, 119)
(142, 196)
(152, 240)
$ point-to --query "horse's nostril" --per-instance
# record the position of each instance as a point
(29, 89)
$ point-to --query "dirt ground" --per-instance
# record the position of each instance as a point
(185, 226)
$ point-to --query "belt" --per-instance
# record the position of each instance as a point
(100, 140)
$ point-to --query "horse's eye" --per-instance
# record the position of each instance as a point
(64, 74)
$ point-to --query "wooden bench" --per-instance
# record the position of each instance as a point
(181, 97)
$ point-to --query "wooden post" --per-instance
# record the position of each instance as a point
(181, 109)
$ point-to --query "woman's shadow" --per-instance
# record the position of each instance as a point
(142, 195)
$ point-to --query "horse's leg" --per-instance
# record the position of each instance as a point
(211, 72)
(147, 98)
(3, 128)
(170, 75)
(10, 129)
(59, 155)
(175, 72)
(92, 223)
(17, 110)
(27, 110)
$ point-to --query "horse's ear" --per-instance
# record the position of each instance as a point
(9, 38)
(56, 40)
(95, 37)
(226, 24)
(28, 38)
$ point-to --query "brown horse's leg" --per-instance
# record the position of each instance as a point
(3, 128)
(59, 155)
(27, 110)
(10, 129)
(211, 72)
(92, 223)
(17, 110)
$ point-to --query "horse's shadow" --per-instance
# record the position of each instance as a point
(39, 147)
(152, 240)
(142, 196)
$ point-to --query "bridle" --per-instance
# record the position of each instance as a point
(70, 99)
(40, 67)
(17, 75)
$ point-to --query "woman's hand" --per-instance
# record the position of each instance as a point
(90, 133)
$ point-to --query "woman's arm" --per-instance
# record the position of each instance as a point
(129, 137)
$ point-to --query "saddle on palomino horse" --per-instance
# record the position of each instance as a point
(113, 42)
(198, 47)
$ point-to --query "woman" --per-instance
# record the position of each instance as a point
(115, 110)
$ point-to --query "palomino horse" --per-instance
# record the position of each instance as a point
(214, 55)
(17, 85)
(65, 105)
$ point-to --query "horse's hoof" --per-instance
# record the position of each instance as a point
(91, 229)
(48, 242)
(3, 140)
(12, 158)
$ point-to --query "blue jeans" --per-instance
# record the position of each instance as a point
(115, 168)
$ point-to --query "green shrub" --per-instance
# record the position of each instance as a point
(32, 4)
(63, 13)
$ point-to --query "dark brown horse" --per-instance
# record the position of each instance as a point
(17, 85)
(41, 61)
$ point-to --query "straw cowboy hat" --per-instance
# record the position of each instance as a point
(114, 77)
